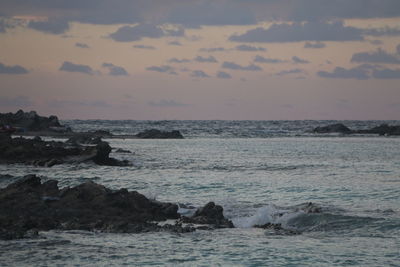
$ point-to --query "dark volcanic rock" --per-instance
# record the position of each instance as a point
(102, 156)
(333, 128)
(42, 153)
(157, 134)
(383, 129)
(31, 121)
(28, 205)
(209, 214)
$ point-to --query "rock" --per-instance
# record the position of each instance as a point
(102, 156)
(49, 153)
(31, 121)
(333, 128)
(30, 205)
(157, 134)
(209, 214)
(383, 129)
(309, 207)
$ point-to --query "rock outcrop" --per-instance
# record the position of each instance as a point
(28, 206)
(333, 128)
(49, 153)
(31, 121)
(383, 129)
(157, 134)
(210, 214)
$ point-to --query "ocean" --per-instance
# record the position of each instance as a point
(260, 172)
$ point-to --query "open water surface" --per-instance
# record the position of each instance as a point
(259, 172)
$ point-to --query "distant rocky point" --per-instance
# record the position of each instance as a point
(157, 134)
(333, 128)
(30, 121)
(383, 129)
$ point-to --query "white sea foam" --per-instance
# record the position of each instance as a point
(267, 214)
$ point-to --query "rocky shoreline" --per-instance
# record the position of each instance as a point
(31, 124)
(42, 153)
(29, 205)
(383, 129)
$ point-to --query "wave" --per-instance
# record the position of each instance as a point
(308, 217)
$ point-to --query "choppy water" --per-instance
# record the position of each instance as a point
(259, 172)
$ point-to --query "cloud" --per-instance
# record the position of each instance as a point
(213, 49)
(302, 10)
(199, 74)
(197, 13)
(72, 67)
(378, 56)
(249, 48)
(163, 69)
(176, 60)
(298, 60)
(311, 31)
(16, 69)
(386, 74)
(360, 73)
(209, 59)
(314, 45)
(167, 103)
(82, 45)
(223, 75)
(176, 43)
(137, 32)
(297, 32)
(148, 47)
(376, 42)
(261, 59)
(286, 72)
(115, 70)
(200, 12)
(50, 26)
(385, 31)
(19, 101)
(234, 66)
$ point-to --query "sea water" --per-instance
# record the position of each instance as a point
(259, 172)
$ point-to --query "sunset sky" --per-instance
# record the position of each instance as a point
(198, 59)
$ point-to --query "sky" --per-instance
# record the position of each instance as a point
(201, 59)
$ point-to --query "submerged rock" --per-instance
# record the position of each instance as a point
(277, 229)
(157, 134)
(28, 206)
(121, 150)
(333, 128)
